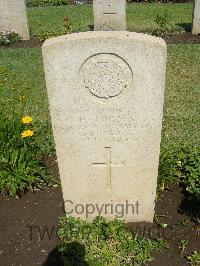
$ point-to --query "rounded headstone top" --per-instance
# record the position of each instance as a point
(125, 35)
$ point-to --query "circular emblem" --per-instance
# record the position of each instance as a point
(106, 75)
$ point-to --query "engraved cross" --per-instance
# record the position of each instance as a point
(108, 165)
(108, 7)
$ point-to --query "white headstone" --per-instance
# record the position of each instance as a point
(106, 92)
(196, 17)
(13, 17)
(109, 14)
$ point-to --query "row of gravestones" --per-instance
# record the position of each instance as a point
(106, 94)
(108, 15)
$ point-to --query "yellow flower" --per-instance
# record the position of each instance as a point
(162, 188)
(27, 119)
(27, 133)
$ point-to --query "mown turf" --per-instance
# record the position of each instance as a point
(140, 17)
(181, 111)
(22, 91)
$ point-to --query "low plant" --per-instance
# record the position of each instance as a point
(41, 3)
(190, 169)
(182, 246)
(9, 37)
(169, 168)
(194, 258)
(163, 24)
(44, 35)
(103, 242)
(20, 168)
(20, 172)
(185, 221)
(181, 165)
(67, 24)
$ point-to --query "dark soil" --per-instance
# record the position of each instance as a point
(178, 214)
(25, 224)
(33, 42)
(186, 37)
(29, 227)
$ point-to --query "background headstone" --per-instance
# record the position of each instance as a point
(109, 14)
(13, 16)
(196, 17)
(106, 92)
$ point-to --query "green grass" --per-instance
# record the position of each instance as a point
(139, 17)
(22, 91)
(181, 110)
(51, 18)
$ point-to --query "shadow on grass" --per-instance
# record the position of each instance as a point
(91, 27)
(73, 255)
(186, 26)
(54, 258)
(190, 206)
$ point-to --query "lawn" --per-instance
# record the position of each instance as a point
(140, 17)
(182, 109)
(22, 92)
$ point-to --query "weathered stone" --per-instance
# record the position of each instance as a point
(109, 14)
(13, 17)
(106, 92)
(196, 17)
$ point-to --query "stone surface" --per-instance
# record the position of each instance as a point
(106, 92)
(13, 16)
(196, 17)
(109, 15)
